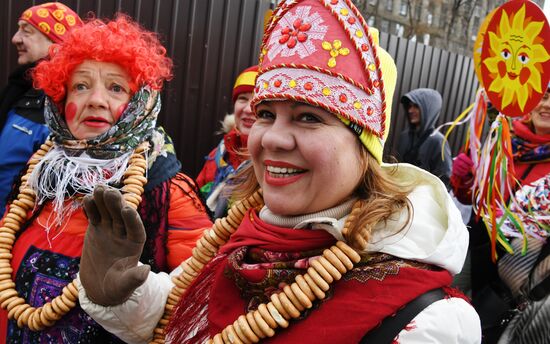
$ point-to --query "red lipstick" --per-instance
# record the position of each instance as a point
(281, 179)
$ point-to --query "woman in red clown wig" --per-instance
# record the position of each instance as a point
(103, 88)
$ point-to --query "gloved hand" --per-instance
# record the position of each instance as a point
(462, 178)
(109, 270)
(463, 166)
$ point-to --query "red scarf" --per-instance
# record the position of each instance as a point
(256, 233)
(528, 146)
(260, 257)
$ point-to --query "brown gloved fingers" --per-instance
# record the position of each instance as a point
(114, 202)
(95, 231)
(101, 206)
(134, 226)
(121, 281)
(112, 247)
(92, 213)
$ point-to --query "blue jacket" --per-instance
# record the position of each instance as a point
(23, 129)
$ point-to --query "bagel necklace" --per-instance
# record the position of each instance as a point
(285, 305)
(37, 319)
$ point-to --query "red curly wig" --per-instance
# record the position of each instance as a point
(121, 41)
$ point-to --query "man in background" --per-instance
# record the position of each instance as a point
(420, 144)
(22, 128)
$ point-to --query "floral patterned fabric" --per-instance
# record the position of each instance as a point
(280, 268)
(37, 288)
(533, 201)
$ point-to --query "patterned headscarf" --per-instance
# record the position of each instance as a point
(134, 126)
(53, 19)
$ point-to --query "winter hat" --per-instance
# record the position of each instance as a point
(321, 52)
(245, 82)
(53, 19)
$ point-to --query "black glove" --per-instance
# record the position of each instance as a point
(112, 247)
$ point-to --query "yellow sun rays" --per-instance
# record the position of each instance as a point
(515, 58)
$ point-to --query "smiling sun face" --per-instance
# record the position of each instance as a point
(515, 60)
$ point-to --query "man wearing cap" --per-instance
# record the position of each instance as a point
(21, 106)
(420, 144)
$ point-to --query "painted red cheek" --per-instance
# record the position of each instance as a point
(70, 112)
(524, 75)
(502, 69)
(120, 111)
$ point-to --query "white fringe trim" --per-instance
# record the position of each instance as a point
(57, 172)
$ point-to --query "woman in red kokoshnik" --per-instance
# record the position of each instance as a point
(338, 241)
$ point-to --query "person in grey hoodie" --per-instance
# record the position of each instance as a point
(420, 144)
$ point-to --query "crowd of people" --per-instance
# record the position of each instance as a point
(295, 229)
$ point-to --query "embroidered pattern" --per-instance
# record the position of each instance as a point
(41, 277)
(361, 71)
(295, 34)
(356, 31)
(354, 28)
(378, 266)
(338, 97)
